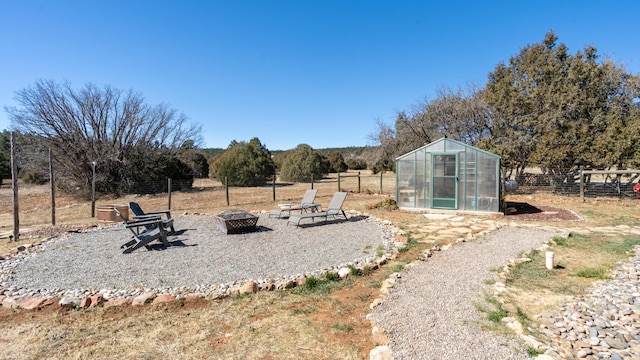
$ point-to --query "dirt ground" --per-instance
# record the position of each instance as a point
(523, 211)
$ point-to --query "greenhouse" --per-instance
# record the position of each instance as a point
(448, 175)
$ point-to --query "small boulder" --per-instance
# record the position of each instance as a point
(143, 298)
(164, 298)
(117, 302)
(381, 353)
(92, 301)
(69, 302)
(250, 287)
(31, 303)
(344, 273)
(285, 284)
(10, 303)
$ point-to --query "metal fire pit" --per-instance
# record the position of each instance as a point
(235, 221)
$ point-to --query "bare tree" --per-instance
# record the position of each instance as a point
(462, 115)
(105, 125)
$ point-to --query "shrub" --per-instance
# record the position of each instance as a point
(533, 352)
(303, 163)
(356, 163)
(336, 162)
(244, 164)
(33, 177)
(388, 204)
(144, 171)
(196, 161)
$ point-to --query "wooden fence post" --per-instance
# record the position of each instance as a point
(274, 187)
(169, 193)
(338, 182)
(93, 189)
(503, 192)
(226, 188)
(582, 183)
(14, 187)
(358, 182)
(53, 190)
(311, 181)
(380, 182)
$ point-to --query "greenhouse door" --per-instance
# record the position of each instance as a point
(444, 181)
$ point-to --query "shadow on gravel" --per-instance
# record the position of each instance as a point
(260, 228)
(333, 221)
(516, 208)
(172, 244)
(180, 232)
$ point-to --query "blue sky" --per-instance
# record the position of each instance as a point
(290, 72)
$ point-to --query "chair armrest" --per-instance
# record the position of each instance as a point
(147, 216)
(315, 207)
(159, 212)
(144, 222)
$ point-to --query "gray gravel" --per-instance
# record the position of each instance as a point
(430, 314)
(200, 255)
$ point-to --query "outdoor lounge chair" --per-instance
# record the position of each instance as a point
(334, 209)
(306, 204)
(139, 214)
(153, 230)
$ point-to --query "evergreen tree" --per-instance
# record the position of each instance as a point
(337, 162)
(302, 163)
(559, 110)
(5, 155)
(244, 164)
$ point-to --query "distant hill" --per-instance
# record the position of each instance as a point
(212, 152)
(345, 151)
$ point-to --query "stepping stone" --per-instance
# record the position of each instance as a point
(438, 216)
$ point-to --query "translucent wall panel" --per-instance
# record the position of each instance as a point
(405, 175)
(427, 179)
(420, 179)
(453, 146)
(488, 181)
(437, 146)
(461, 176)
(469, 179)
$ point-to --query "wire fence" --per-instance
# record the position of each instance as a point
(622, 184)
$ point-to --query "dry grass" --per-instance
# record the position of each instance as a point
(262, 326)
(273, 325)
